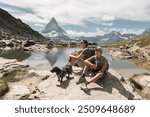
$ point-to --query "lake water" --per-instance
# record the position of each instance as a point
(59, 57)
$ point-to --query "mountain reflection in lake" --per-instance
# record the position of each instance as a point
(59, 57)
(56, 57)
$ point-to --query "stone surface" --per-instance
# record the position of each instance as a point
(44, 85)
(17, 92)
(8, 65)
(144, 82)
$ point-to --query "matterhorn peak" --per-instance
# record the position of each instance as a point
(52, 29)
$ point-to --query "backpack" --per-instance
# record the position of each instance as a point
(92, 51)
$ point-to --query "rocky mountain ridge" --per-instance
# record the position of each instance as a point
(16, 28)
(146, 32)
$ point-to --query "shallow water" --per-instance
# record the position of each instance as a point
(59, 57)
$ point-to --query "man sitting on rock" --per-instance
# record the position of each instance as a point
(97, 65)
(78, 57)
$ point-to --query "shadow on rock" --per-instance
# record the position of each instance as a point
(65, 83)
(107, 83)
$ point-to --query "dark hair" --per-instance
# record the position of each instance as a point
(84, 41)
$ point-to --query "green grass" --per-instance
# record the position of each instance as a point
(18, 54)
(10, 76)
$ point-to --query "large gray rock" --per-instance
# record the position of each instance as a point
(140, 53)
(8, 65)
(112, 87)
(142, 82)
(119, 54)
(17, 92)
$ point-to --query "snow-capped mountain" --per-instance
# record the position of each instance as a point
(146, 32)
(115, 36)
(109, 37)
(52, 30)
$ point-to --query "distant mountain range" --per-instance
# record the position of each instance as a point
(16, 28)
(109, 37)
(54, 31)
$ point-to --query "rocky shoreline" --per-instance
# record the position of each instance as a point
(141, 82)
(129, 51)
(31, 84)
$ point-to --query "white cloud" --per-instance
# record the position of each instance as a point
(86, 34)
(30, 18)
(108, 18)
(39, 25)
(107, 23)
(74, 11)
(125, 30)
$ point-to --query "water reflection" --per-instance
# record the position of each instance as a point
(53, 55)
(56, 57)
(59, 57)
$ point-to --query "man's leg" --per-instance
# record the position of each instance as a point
(82, 77)
(96, 77)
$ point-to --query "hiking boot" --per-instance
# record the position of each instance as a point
(81, 79)
(84, 87)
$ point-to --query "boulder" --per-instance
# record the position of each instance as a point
(17, 92)
(29, 43)
(119, 54)
(8, 65)
(142, 82)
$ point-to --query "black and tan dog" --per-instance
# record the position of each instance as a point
(62, 72)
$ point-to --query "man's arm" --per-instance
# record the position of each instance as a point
(89, 63)
(104, 67)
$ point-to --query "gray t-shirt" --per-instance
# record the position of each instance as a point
(87, 53)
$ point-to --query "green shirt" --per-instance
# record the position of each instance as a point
(101, 63)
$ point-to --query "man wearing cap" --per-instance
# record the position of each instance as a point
(78, 57)
(97, 65)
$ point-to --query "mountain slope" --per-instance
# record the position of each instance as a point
(146, 32)
(16, 27)
(53, 30)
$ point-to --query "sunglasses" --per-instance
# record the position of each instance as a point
(81, 42)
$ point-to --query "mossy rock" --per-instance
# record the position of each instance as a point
(3, 87)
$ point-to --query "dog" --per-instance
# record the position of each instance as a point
(67, 69)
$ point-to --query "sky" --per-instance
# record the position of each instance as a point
(83, 17)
